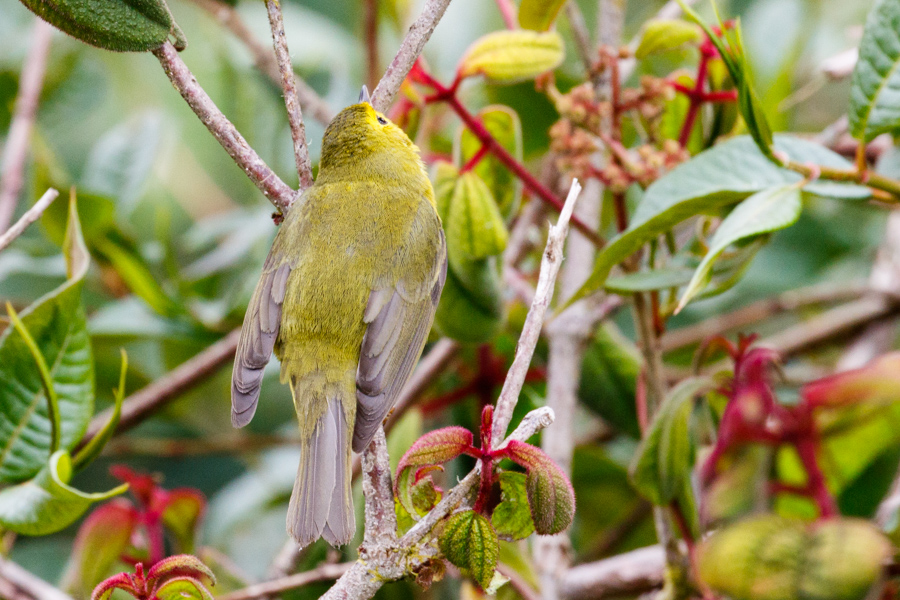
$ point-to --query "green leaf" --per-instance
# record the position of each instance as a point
(470, 542)
(92, 449)
(763, 212)
(511, 56)
(135, 273)
(474, 227)
(539, 15)
(444, 176)
(662, 35)
(57, 324)
(123, 26)
(503, 124)
(512, 517)
(774, 558)
(183, 588)
(471, 306)
(874, 101)
(550, 493)
(183, 510)
(47, 503)
(718, 177)
(662, 464)
(608, 383)
(102, 538)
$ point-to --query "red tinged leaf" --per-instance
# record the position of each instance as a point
(550, 494)
(435, 448)
(180, 565)
(122, 581)
(183, 509)
(876, 383)
(101, 539)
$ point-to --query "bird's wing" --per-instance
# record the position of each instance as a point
(399, 318)
(258, 334)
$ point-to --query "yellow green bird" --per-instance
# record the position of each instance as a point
(346, 299)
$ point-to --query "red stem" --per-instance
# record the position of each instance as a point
(153, 526)
(508, 11)
(683, 528)
(621, 212)
(476, 158)
(695, 97)
(806, 449)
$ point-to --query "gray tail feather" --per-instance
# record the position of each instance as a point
(321, 505)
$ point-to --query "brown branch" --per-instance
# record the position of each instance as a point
(31, 215)
(370, 19)
(146, 401)
(409, 51)
(222, 129)
(324, 572)
(30, 586)
(31, 82)
(289, 88)
(264, 59)
(628, 574)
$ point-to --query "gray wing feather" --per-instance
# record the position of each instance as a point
(398, 326)
(258, 335)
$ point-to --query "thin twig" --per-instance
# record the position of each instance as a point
(31, 82)
(25, 581)
(324, 572)
(628, 574)
(409, 51)
(146, 401)
(222, 129)
(550, 264)
(31, 215)
(586, 50)
(289, 89)
(370, 20)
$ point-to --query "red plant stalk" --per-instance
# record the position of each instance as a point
(806, 449)
(508, 12)
(487, 460)
(695, 96)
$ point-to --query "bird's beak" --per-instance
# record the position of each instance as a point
(364, 95)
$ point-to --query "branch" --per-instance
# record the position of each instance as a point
(31, 585)
(409, 51)
(222, 129)
(30, 83)
(323, 572)
(628, 574)
(288, 85)
(531, 330)
(146, 401)
(31, 215)
(265, 60)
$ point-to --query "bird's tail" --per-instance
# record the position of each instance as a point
(321, 505)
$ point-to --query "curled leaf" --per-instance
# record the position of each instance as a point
(470, 542)
(475, 229)
(662, 35)
(512, 517)
(550, 494)
(511, 56)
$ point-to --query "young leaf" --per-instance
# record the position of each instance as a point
(132, 26)
(550, 494)
(662, 35)
(503, 124)
(434, 448)
(47, 503)
(662, 464)
(92, 449)
(511, 56)
(774, 558)
(512, 517)
(444, 176)
(101, 539)
(763, 212)
(722, 175)
(475, 229)
(57, 324)
(180, 565)
(539, 15)
(470, 542)
(183, 588)
(184, 507)
(471, 307)
(874, 102)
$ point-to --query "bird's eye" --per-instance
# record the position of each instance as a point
(382, 120)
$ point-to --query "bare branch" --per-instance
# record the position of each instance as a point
(288, 86)
(381, 518)
(31, 586)
(627, 574)
(264, 60)
(222, 129)
(531, 331)
(323, 572)
(409, 51)
(31, 215)
(31, 82)
(146, 401)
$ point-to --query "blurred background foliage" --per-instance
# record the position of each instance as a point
(178, 234)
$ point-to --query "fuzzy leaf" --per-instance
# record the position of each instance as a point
(718, 177)
(182, 513)
(101, 539)
(475, 229)
(511, 56)
(444, 176)
(512, 517)
(123, 26)
(470, 542)
(180, 565)
(183, 588)
(503, 124)
(424, 495)
(434, 448)
(774, 558)
(47, 503)
(539, 15)
(875, 84)
(763, 212)
(662, 35)
(876, 383)
(550, 494)
(57, 324)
